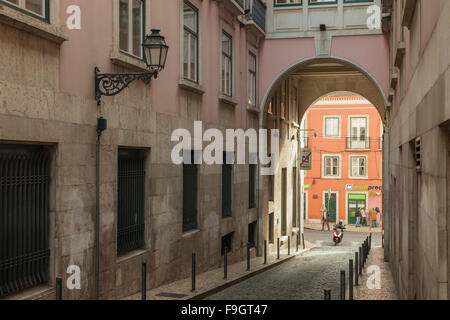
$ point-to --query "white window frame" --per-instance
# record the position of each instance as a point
(350, 117)
(22, 7)
(193, 34)
(223, 56)
(130, 29)
(252, 52)
(338, 176)
(350, 166)
(325, 118)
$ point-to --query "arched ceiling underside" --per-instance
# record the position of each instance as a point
(319, 77)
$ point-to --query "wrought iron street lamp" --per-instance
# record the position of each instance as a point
(155, 55)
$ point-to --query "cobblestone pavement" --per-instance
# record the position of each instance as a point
(387, 289)
(302, 278)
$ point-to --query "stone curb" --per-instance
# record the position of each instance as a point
(247, 276)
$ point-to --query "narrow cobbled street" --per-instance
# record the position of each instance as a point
(304, 277)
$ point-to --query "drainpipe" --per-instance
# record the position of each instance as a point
(101, 126)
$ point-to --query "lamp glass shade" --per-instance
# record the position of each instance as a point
(155, 51)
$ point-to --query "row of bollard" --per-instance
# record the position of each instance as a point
(355, 268)
(194, 258)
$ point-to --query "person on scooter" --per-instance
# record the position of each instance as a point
(340, 226)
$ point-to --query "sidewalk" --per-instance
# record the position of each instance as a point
(387, 290)
(212, 281)
(348, 228)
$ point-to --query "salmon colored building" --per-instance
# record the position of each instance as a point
(344, 134)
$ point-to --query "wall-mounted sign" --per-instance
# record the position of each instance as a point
(306, 159)
(349, 187)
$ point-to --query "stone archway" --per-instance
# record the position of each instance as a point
(314, 78)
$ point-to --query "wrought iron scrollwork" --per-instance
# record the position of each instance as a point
(107, 84)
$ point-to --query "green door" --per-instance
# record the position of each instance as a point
(355, 202)
(331, 207)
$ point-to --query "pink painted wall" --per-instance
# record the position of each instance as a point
(86, 48)
(92, 46)
(369, 51)
(278, 54)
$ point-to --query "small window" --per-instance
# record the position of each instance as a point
(332, 127)
(251, 186)
(280, 3)
(130, 200)
(131, 26)
(227, 64)
(252, 234)
(271, 227)
(314, 2)
(227, 172)
(331, 166)
(227, 242)
(190, 191)
(252, 79)
(358, 167)
(37, 8)
(190, 42)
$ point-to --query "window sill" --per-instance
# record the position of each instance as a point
(358, 178)
(190, 233)
(34, 26)
(131, 255)
(253, 109)
(121, 59)
(227, 100)
(191, 86)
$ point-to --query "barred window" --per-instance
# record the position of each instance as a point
(24, 248)
(190, 191)
(227, 171)
(130, 200)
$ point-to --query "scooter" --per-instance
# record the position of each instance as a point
(338, 234)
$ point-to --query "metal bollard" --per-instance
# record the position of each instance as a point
(144, 280)
(298, 239)
(193, 272)
(342, 294)
(326, 294)
(225, 262)
(303, 239)
(289, 245)
(278, 248)
(350, 279)
(356, 269)
(265, 251)
(360, 261)
(370, 241)
(58, 288)
(382, 240)
(248, 256)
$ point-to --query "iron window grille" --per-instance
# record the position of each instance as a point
(251, 186)
(190, 192)
(130, 200)
(24, 221)
(227, 171)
